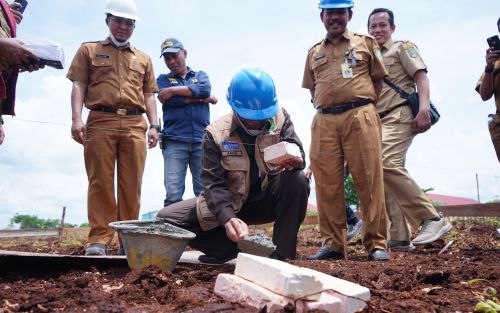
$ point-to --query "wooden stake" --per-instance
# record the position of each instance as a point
(61, 227)
(344, 242)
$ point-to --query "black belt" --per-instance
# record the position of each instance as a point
(341, 108)
(119, 111)
(385, 113)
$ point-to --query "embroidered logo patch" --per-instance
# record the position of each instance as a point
(229, 145)
(412, 52)
(172, 80)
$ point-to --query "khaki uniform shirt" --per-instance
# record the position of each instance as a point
(117, 77)
(402, 60)
(496, 85)
(323, 73)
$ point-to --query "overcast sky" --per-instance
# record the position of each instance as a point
(42, 168)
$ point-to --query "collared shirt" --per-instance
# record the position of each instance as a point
(186, 122)
(323, 72)
(116, 77)
(402, 60)
(496, 85)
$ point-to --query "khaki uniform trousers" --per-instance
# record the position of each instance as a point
(353, 136)
(407, 205)
(113, 140)
(495, 134)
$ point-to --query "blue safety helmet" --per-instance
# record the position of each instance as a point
(335, 4)
(252, 94)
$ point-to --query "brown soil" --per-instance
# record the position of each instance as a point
(418, 281)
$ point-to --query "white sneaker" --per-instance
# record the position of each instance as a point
(432, 231)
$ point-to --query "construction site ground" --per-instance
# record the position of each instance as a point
(419, 281)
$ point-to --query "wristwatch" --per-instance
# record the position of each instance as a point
(157, 127)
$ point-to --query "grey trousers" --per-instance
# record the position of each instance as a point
(285, 204)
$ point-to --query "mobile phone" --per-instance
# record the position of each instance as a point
(23, 3)
(494, 42)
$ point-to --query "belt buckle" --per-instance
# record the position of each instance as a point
(121, 111)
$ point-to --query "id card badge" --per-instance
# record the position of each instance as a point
(346, 70)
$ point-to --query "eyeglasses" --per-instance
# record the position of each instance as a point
(123, 21)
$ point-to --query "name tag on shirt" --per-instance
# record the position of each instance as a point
(102, 56)
(346, 70)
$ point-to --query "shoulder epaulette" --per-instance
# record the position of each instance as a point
(363, 35)
(316, 44)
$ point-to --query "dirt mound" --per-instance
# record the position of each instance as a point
(417, 281)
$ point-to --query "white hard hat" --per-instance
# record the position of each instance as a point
(122, 8)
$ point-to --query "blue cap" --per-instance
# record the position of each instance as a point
(171, 45)
(335, 4)
(252, 94)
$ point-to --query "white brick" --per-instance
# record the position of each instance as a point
(280, 152)
(354, 297)
(236, 289)
(280, 277)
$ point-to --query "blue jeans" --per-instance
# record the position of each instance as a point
(177, 156)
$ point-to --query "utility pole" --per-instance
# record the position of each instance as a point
(477, 188)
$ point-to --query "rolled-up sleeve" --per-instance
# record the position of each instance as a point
(163, 82)
(213, 178)
(202, 88)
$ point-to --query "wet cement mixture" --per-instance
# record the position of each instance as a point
(417, 281)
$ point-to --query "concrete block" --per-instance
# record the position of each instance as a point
(280, 152)
(257, 244)
(236, 289)
(280, 277)
(354, 297)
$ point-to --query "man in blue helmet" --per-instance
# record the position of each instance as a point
(344, 73)
(239, 187)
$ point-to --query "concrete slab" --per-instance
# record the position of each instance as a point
(236, 289)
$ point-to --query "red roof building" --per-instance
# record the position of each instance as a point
(451, 200)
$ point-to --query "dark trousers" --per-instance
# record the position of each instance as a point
(285, 204)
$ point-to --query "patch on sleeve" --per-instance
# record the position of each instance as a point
(412, 52)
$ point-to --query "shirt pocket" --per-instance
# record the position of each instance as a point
(102, 70)
(389, 63)
(361, 62)
(237, 166)
(137, 70)
(319, 68)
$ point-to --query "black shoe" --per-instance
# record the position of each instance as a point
(276, 256)
(215, 260)
(325, 253)
(379, 255)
